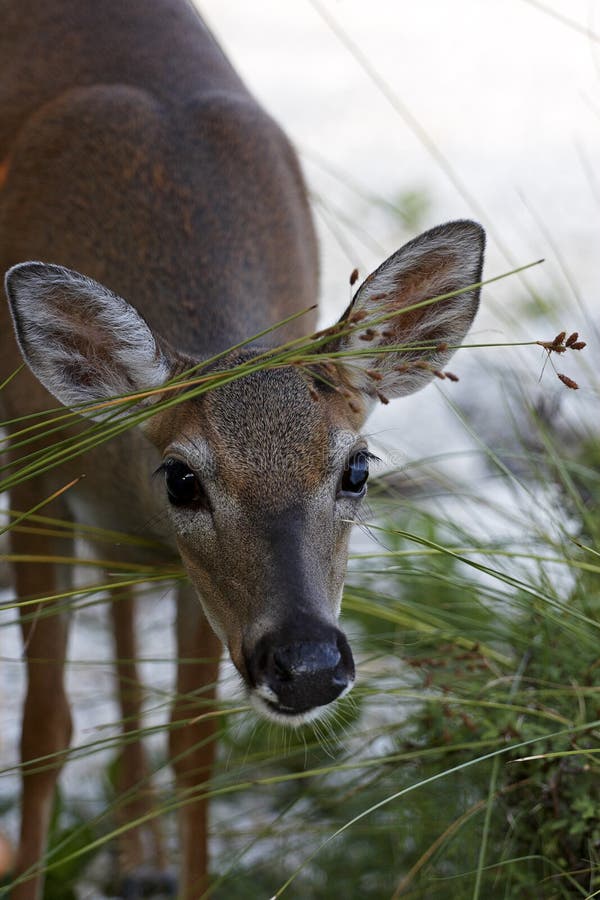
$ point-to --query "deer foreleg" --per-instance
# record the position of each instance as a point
(141, 845)
(46, 729)
(192, 745)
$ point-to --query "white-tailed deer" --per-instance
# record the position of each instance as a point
(130, 151)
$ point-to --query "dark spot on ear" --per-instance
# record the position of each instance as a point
(80, 374)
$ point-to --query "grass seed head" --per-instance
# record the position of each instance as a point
(330, 369)
(568, 381)
(559, 338)
(559, 345)
(353, 277)
(368, 335)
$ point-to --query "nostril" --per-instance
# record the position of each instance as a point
(340, 676)
(346, 664)
(281, 669)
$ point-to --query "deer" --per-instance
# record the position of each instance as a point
(152, 216)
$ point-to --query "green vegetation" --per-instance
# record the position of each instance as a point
(466, 761)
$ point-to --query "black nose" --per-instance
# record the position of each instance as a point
(302, 671)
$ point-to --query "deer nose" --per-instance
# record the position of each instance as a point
(298, 675)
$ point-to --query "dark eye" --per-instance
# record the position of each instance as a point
(354, 477)
(183, 487)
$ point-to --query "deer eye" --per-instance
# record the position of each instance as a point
(183, 487)
(354, 477)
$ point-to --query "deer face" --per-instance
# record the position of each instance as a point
(264, 476)
(263, 482)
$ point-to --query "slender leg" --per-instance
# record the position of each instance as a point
(192, 746)
(142, 845)
(46, 729)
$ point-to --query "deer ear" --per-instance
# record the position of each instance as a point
(437, 262)
(84, 343)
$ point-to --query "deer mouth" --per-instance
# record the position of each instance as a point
(268, 707)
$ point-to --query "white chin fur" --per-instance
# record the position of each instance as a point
(262, 697)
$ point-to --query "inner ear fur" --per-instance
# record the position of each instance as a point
(81, 340)
(416, 342)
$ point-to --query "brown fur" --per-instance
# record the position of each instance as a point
(133, 153)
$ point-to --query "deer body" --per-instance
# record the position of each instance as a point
(132, 153)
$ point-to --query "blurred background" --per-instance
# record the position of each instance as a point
(407, 115)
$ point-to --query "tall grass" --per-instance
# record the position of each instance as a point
(466, 759)
(467, 762)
